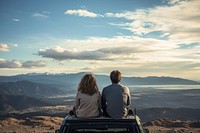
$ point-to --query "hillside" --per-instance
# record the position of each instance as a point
(27, 88)
(11, 103)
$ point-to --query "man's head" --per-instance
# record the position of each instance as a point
(115, 76)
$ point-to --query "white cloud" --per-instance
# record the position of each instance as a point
(40, 15)
(15, 45)
(126, 53)
(4, 47)
(46, 12)
(138, 43)
(15, 19)
(180, 20)
(172, 2)
(82, 13)
(17, 64)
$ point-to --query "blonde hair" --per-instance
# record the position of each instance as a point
(88, 84)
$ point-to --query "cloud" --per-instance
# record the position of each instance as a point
(137, 43)
(30, 64)
(82, 13)
(4, 47)
(15, 19)
(172, 2)
(40, 15)
(9, 64)
(180, 20)
(123, 50)
(89, 68)
(17, 64)
(15, 45)
(59, 53)
(46, 12)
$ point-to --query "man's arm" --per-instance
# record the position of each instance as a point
(129, 98)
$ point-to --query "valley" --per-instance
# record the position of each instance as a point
(39, 102)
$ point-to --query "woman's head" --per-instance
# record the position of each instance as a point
(88, 84)
(115, 76)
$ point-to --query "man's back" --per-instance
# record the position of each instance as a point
(116, 100)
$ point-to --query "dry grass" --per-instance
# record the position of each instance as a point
(36, 124)
(48, 124)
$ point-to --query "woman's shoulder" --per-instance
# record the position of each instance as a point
(84, 94)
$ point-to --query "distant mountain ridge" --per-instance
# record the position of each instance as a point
(70, 81)
(154, 80)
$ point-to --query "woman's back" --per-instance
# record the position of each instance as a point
(88, 105)
(88, 97)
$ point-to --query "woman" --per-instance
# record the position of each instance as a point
(87, 98)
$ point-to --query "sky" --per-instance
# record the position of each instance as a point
(139, 37)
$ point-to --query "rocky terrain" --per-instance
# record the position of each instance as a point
(38, 102)
(172, 126)
(48, 124)
(35, 124)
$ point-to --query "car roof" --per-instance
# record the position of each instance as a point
(72, 118)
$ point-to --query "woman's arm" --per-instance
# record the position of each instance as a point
(77, 101)
(103, 101)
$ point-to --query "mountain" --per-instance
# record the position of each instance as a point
(62, 81)
(153, 80)
(19, 102)
(27, 88)
(70, 81)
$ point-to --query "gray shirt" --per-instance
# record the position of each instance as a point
(116, 100)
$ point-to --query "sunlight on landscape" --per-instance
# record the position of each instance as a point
(47, 46)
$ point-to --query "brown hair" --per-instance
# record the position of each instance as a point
(115, 76)
(88, 84)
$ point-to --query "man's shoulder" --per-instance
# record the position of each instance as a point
(115, 85)
(107, 87)
(123, 86)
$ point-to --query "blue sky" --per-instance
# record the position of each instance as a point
(139, 37)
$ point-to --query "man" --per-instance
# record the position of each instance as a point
(116, 98)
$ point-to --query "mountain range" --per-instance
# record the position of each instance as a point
(36, 89)
(70, 81)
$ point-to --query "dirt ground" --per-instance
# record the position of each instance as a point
(48, 124)
(37, 124)
(158, 129)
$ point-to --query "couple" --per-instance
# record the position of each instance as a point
(115, 100)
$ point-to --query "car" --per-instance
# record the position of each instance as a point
(72, 124)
